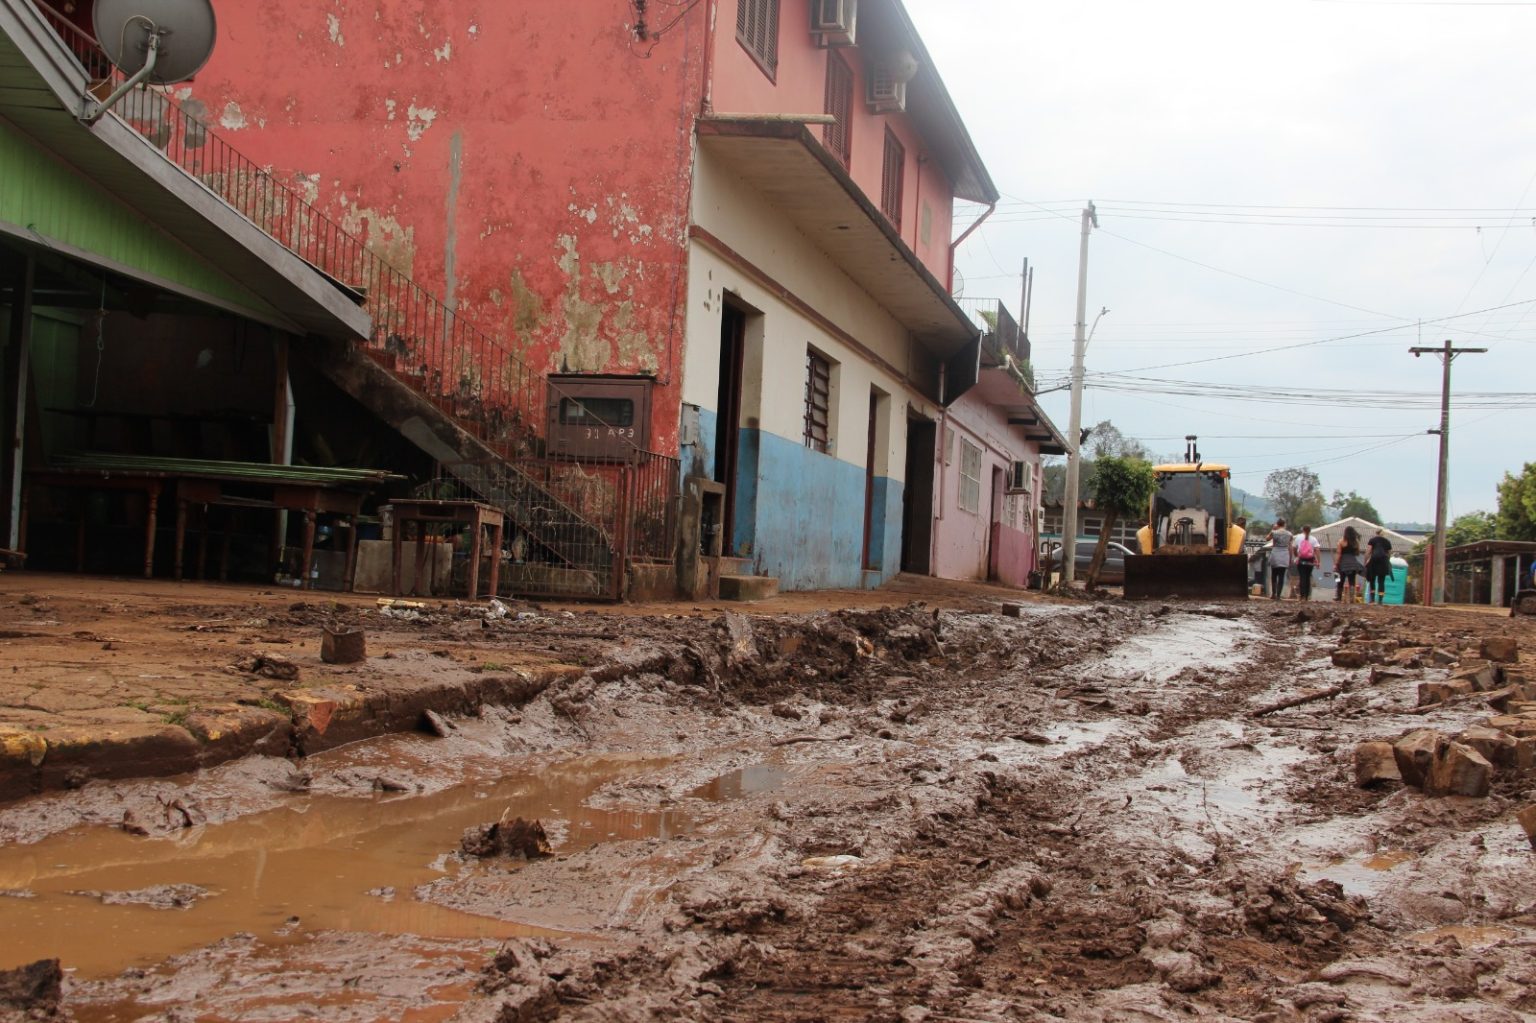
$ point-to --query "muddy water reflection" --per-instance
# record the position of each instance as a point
(336, 863)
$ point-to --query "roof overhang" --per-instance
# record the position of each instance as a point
(785, 162)
(41, 89)
(1003, 388)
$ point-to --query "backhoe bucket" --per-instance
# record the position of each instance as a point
(1191, 576)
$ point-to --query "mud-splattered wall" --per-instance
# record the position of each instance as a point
(529, 162)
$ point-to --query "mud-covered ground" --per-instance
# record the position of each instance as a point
(905, 814)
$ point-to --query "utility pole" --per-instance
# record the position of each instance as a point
(1074, 435)
(1447, 355)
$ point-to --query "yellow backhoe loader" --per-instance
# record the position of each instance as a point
(1190, 546)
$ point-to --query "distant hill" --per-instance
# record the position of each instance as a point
(1253, 505)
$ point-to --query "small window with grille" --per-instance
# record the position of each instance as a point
(757, 28)
(818, 401)
(892, 180)
(839, 134)
(970, 476)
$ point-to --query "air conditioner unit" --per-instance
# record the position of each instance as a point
(1021, 478)
(833, 21)
(887, 92)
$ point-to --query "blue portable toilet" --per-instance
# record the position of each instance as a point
(1397, 582)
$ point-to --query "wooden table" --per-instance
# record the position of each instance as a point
(477, 516)
(310, 491)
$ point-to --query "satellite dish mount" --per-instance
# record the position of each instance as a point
(136, 36)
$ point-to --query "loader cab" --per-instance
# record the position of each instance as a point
(1191, 510)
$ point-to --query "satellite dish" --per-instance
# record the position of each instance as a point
(179, 33)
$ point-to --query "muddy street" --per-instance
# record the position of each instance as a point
(1084, 811)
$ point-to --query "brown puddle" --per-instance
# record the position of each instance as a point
(1473, 936)
(319, 858)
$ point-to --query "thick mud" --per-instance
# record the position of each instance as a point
(1085, 813)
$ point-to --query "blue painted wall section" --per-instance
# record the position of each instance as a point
(800, 513)
(808, 526)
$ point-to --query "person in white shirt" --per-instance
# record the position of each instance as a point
(1307, 553)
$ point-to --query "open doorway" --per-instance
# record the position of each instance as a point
(917, 496)
(994, 526)
(727, 440)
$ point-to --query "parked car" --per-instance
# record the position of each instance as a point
(1113, 572)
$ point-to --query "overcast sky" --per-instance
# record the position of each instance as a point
(1363, 166)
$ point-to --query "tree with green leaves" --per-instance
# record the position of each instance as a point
(1516, 518)
(1470, 528)
(1352, 504)
(1121, 487)
(1297, 496)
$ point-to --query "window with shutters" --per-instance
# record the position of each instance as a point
(892, 179)
(818, 400)
(839, 134)
(970, 476)
(757, 29)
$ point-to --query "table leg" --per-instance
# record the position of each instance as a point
(396, 555)
(421, 560)
(309, 549)
(202, 543)
(81, 506)
(228, 524)
(21, 531)
(496, 536)
(351, 569)
(181, 534)
(474, 555)
(149, 532)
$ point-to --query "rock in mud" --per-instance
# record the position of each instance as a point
(1439, 692)
(437, 724)
(34, 988)
(1415, 754)
(1458, 770)
(343, 646)
(517, 837)
(1349, 657)
(160, 896)
(274, 666)
(1442, 658)
(1375, 762)
(1498, 748)
(1503, 649)
(1527, 819)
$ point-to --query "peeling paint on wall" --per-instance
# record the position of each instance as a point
(451, 233)
(233, 118)
(418, 120)
(333, 28)
(382, 233)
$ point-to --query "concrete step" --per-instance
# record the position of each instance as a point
(748, 587)
(734, 566)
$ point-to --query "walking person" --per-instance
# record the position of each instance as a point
(1347, 563)
(1378, 568)
(1281, 541)
(1306, 561)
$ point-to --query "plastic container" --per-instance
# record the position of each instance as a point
(1397, 582)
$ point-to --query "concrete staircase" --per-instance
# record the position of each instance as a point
(732, 579)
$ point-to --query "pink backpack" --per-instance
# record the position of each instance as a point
(1306, 548)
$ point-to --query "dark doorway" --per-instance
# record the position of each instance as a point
(733, 332)
(869, 481)
(917, 496)
(994, 530)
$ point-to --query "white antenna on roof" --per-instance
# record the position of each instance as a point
(154, 41)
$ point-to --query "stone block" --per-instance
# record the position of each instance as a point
(343, 646)
(1439, 692)
(1410, 657)
(1498, 748)
(1514, 724)
(1376, 762)
(1500, 699)
(1442, 658)
(1525, 754)
(1483, 675)
(1458, 770)
(1012, 610)
(1349, 657)
(748, 587)
(1527, 819)
(1503, 649)
(1381, 676)
(1415, 754)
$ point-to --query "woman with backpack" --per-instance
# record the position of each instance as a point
(1347, 563)
(1306, 561)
